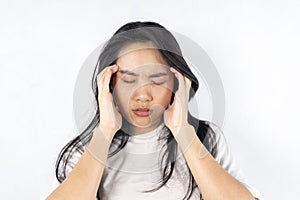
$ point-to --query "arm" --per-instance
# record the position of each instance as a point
(212, 179)
(84, 179)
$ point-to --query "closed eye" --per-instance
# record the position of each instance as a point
(155, 83)
(128, 81)
(160, 83)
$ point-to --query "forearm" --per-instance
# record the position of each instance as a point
(85, 177)
(213, 181)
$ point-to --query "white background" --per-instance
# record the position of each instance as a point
(254, 45)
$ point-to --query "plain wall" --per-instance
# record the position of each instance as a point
(253, 44)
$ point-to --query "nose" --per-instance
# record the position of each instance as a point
(143, 94)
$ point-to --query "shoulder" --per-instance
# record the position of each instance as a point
(216, 129)
(70, 159)
(212, 137)
(225, 158)
(222, 151)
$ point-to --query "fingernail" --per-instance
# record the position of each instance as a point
(172, 69)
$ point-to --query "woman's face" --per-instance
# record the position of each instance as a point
(143, 87)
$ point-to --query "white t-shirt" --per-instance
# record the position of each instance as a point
(137, 168)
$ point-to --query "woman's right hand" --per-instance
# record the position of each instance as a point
(110, 117)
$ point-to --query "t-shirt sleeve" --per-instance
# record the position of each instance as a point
(72, 161)
(75, 157)
(225, 158)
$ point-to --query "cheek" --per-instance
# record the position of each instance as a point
(121, 99)
(163, 97)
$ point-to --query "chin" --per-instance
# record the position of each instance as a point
(142, 122)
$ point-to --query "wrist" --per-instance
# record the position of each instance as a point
(99, 144)
(105, 131)
(181, 128)
(185, 136)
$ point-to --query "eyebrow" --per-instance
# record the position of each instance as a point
(128, 72)
(151, 76)
(158, 74)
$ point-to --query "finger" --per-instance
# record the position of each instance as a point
(101, 76)
(100, 79)
(107, 76)
(188, 83)
(180, 78)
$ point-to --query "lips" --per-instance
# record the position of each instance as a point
(142, 112)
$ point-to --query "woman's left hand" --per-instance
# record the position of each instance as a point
(175, 117)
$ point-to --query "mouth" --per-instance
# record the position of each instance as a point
(142, 112)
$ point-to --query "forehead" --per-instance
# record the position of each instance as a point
(141, 57)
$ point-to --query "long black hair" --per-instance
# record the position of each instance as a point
(166, 44)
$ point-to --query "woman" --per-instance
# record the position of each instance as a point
(143, 142)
